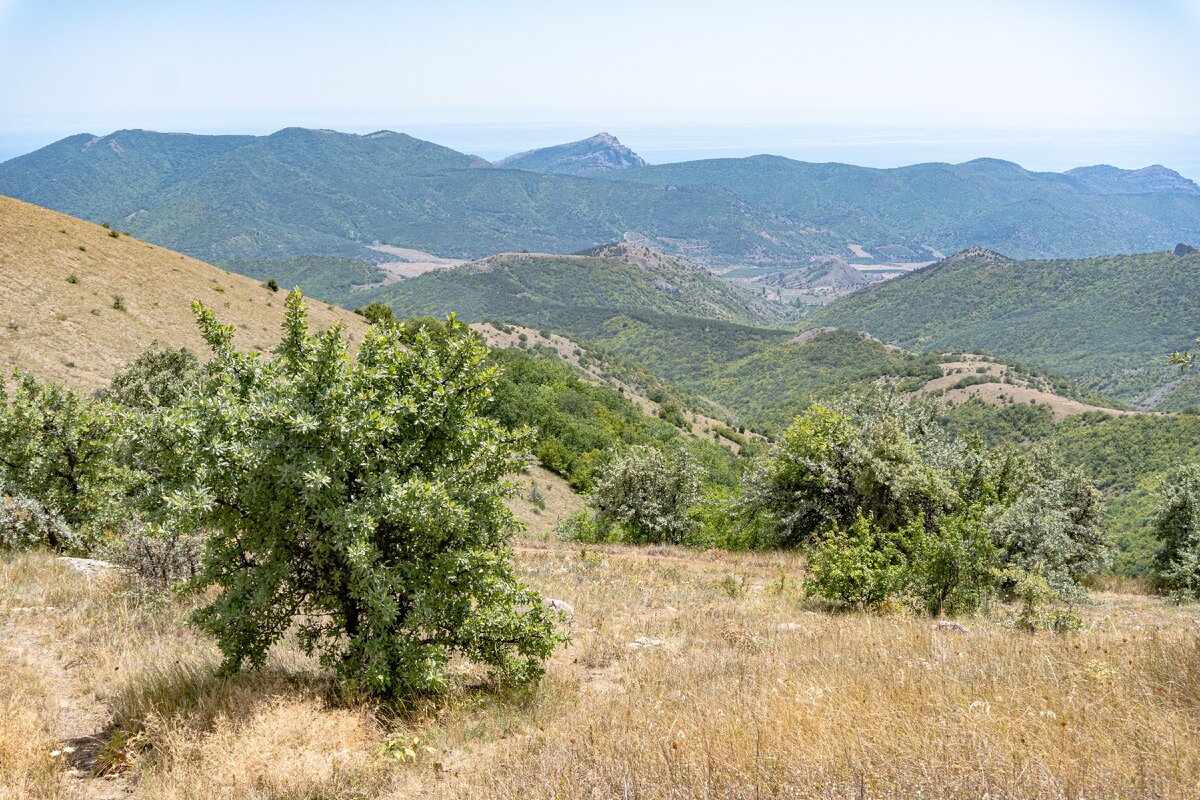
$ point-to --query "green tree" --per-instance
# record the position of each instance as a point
(362, 498)
(158, 376)
(1177, 526)
(649, 494)
(882, 457)
(60, 448)
(376, 313)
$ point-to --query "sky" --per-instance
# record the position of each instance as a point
(1053, 83)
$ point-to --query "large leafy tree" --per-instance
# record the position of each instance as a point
(359, 498)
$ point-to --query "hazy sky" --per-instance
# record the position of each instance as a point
(69, 66)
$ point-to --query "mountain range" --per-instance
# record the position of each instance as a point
(301, 192)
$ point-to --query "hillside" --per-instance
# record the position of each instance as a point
(301, 192)
(1108, 323)
(915, 212)
(60, 279)
(825, 280)
(564, 291)
(599, 153)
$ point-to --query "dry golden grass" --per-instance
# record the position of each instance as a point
(27, 736)
(70, 332)
(753, 693)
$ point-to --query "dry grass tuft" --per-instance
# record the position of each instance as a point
(28, 770)
(282, 747)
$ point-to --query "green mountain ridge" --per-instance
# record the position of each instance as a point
(303, 192)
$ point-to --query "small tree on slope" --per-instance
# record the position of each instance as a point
(362, 498)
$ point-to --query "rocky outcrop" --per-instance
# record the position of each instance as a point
(1182, 249)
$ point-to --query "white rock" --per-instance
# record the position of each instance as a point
(949, 625)
(560, 605)
(646, 643)
(90, 566)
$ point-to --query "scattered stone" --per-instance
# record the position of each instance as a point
(949, 625)
(560, 605)
(90, 566)
(646, 643)
(1182, 249)
(789, 627)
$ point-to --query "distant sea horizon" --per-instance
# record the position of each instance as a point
(1038, 149)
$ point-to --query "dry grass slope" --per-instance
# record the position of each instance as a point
(59, 280)
(752, 693)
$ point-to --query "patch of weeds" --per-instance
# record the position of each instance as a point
(118, 302)
(72, 278)
(733, 586)
(114, 234)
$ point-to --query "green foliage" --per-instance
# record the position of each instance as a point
(362, 496)
(648, 494)
(1077, 318)
(158, 376)
(59, 449)
(1177, 526)
(891, 506)
(862, 565)
(890, 462)
(579, 424)
(26, 524)
(953, 568)
(376, 313)
(118, 303)
(273, 284)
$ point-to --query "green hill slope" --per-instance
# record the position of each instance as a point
(1108, 323)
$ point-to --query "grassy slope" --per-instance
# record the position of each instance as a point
(752, 686)
(70, 332)
(1108, 322)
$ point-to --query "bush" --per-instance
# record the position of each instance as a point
(953, 567)
(158, 376)
(118, 302)
(25, 524)
(1177, 527)
(861, 565)
(579, 527)
(273, 285)
(162, 558)
(649, 494)
(376, 313)
(361, 499)
(61, 450)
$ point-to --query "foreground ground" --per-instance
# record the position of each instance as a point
(741, 689)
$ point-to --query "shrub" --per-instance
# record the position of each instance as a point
(158, 376)
(360, 498)
(162, 558)
(1177, 527)
(579, 526)
(273, 285)
(25, 524)
(649, 494)
(953, 567)
(60, 449)
(861, 565)
(376, 313)
(118, 302)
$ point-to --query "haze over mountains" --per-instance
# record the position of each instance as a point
(304, 192)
